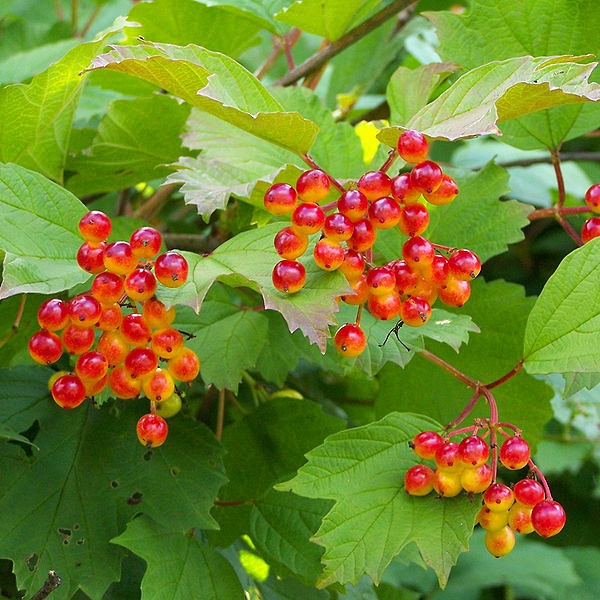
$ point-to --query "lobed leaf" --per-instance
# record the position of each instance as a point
(563, 326)
(372, 519)
(38, 233)
(216, 84)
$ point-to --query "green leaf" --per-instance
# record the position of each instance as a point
(538, 32)
(281, 525)
(262, 11)
(499, 91)
(9, 434)
(248, 260)
(327, 19)
(409, 90)
(221, 333)
(263, 448)
(216, 84)
(38, 232)
(563, 327)
(128, 147)
(90, 475)
(373, 519)
(180, 567)
(37, 116)
(574, 382)
(500, 310)
(187, 21)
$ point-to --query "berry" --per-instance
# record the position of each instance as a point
(338, 227)
(68, 391)
(169, 407)
(473, 451)
(498, 497)
(412, 146)
(353, 265)
(418, 252)
(159, 385)
(374, 185)
(350, 340)
(464, 265)
(415, 311)
(145, 242)
(590, 229)
(404, 190)
(445, 193)
(519, 518)
(313, 186)
(107, 288)
(140, 285)
(77, 340)
(136, 330)
(140, 362)
(514, 453)
(592, 198)
(500, 543)
(165, 342)
(280, 199)
(426, 176)
(308, 218)
(492, 520)
(384, 213)
(328, 255)
(439, 270)
(90, 257)
(95, 226)
(114, 346)
(414, 219)
(406, 278)
(152, 430)
(91, 366)
(360, 292)
(454, 292)
(290, 243)
(418, 480)
(122, 384)
(119, 258)
(426, 443)
(289, 276)
(447, 483)
(363, 236)
(184, 366)
(171, 269)
(92, 388)
(353, 204)
(548, 518)
(385, 307)
(528, 492)
(45, 347)
(381, 281)
(447, 457)
(476, 480)
(53, 314)
(84, 311)
(156, 314)
(110, 318)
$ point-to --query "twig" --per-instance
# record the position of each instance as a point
(74, 15)
(153, 205)
(60, 15)
(542, 213)
(220, 415)
(475, 385)
(506, 376)
(565, 157)
(333, 49)
(90, 20)
(52, 582)
(17, 321)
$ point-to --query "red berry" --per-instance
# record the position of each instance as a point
(68, 391)
(454, 292)
(308, 218)
(447, 483)
(404, 190)
(90, 257)
(95, 226)
(166, 342)
(313, 186)
(91, 366)
(152, 430)
(374, 185)
(381, 281)
(363, 237)
(119, 258)
(447, 457)
(290, 243)
(289, 276)
(519, 518)
(140, 362)
(592, 198)
(107, 288)
(426, 176)
(353, 204)
(114, 346)
(353, 265)
(145, 242)
(548, 518)
(360, 292)
(384, 213)
(514, 453)
(476, 480)
(328, 254)
(84, 311)
(528, 492)
(492, 520)
(426, 443)
(171, 269)
(158, 385)
(464, 264)
(445, 193)
(77, 340)
(184, 366)
(439, 270)
(500, 543)
(473, 451)
(418, 480)
(53, 314)
(350, 340)
(414, 219)
(140, 285)
(498, 497)
(136, 330)
(122, 384)
(590, 229)
(45, 347)
(418, 252)
(156, 314)
(406, 278)
(385, 307)
(280, 199)
(412, 146)
(338, 227)
(415, 311)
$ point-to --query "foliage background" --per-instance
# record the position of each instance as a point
(184, 138)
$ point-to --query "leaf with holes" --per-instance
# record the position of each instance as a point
(373, 519)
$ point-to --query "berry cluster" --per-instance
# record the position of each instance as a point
(118, 330)
(405, 288)
(591, 228)
(464, 465)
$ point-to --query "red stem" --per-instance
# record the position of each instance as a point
(389, 161)
(542, 479)
(542, 213)
(313, 165)
(469, 429)
(466, 410)
(506, 377)
(452, 370)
